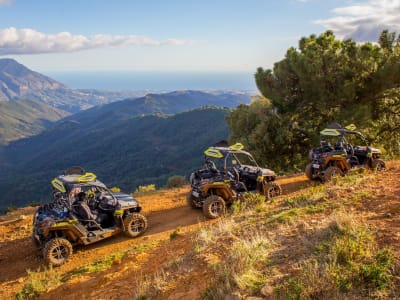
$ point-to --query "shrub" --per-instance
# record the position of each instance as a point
(176, 181)
(39, 282)
(115, 189)
(146, 188)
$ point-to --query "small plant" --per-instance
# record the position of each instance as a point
(9, 209)
(147, 287)
(297, 201)
(176, 181)
(39, 282)
(115, 189)
(249, 201)
(97, 266)
(143, 189)
(175, 233)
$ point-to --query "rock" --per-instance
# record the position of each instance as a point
(234, 296)
(267, 291)
(388, 215)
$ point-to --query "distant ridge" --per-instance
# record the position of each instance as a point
(18, 82)
(24, 118)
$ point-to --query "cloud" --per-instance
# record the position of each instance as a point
(364, 22)
(6, 2)
(29, 41)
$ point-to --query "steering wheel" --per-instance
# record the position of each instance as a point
(234, 174)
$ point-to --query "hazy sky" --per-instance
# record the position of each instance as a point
(223, 35)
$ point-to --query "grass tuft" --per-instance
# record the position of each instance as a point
(39, 282)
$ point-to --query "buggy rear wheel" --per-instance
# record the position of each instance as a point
(214, 207)
(189, 200)
(309, 172)
(57, 251)
(134, 225)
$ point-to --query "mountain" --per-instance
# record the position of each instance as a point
(166, 103)
(19, 119)
(18, 82)
(124, 152)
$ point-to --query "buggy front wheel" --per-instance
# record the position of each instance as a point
(214, 207)
(57, 251)
(332, 172)
(134, 225)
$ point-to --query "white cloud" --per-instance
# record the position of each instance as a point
(364, 22)
(6, 2)
(29, 41)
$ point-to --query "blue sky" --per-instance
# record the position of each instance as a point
(218, 35)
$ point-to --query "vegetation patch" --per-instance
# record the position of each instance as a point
(347, 261)
(107, 262)
(39, 282)
(145, 189)
(243, 268)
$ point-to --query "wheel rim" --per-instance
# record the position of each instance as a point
(334, 173)
(60, 252)
(273, 191)
(136, 226)
(216, 208)
(379, 166)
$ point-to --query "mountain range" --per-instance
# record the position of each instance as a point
(125, 153)
(127, 143)
(18, 82)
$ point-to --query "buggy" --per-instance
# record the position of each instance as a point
(228, 172)
(57, 227)
(340, 150)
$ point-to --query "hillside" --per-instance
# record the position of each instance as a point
(24, 118)
(316, 241)
(124, 153)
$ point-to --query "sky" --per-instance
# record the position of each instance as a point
(185, 35)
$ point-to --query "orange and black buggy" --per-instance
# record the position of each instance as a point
(227, 174)
(340, 150)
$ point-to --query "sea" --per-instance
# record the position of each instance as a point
(157, 80)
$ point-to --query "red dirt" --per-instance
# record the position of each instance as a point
(167, 213)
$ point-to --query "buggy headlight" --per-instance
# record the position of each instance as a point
(191, 178)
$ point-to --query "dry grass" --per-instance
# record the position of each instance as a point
(304, 246)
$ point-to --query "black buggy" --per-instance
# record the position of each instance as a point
(57, 227)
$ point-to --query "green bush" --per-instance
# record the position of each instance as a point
(176, 181)
(115, 189)
(146, 188)
(38, 283)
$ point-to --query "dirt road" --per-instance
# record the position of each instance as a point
(166, 212)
